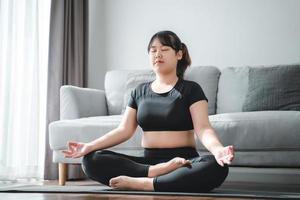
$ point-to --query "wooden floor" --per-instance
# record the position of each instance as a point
(34, 196)
(69, 196)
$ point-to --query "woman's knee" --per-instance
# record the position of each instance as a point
(93, 164)
(88, 163)
(204, 175)
(95, 157)
(216, 168)
(209, 173)
(217, 173)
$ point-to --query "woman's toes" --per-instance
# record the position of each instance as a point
(114, 181)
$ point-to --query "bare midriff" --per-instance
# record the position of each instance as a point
(168, 139)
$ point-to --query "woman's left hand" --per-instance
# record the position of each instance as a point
(224, 155)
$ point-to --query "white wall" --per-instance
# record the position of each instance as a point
(97, 49)
(217, 32)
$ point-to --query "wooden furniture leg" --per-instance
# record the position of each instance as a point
(62, 173)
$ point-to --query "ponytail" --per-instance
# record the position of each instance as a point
(184, 62)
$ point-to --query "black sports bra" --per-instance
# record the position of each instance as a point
(167, 111)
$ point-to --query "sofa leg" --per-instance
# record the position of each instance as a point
(62, 173)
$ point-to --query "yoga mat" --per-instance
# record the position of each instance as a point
(100, 189)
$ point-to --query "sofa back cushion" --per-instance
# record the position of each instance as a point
(135, 78)
(114, 85)
(119, 83)
(273, 88)
(207, 77)
(232, 89)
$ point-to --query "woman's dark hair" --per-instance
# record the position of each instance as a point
(168, 38)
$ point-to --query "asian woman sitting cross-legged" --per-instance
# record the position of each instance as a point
(170, 110)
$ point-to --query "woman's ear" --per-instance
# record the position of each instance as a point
(179, 55)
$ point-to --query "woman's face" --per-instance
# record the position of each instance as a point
(163, 58)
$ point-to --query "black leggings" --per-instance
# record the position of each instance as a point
(203, 175)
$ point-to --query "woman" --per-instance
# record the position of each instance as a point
(170, 110)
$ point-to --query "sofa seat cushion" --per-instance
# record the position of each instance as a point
(86, 130)
(262, 131)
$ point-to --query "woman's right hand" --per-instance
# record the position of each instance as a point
(77, 149)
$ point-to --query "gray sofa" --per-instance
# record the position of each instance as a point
(267, 143)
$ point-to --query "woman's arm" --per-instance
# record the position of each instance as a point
(120, 134)
(114, 137)
(207, 135)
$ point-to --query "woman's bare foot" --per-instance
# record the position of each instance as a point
(166, 167)
(132, 183)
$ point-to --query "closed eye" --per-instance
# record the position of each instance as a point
(152, 50)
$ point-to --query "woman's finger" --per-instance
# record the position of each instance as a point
(72, 142)
(72, 145)
(228, 159)
(72, 148)
(227, 162)
(67, 154)
(66, 151)
(231, 150)
(187, 163)
(77, 155)
(225, 157)
(220, 162)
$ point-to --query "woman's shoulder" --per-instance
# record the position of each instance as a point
(190, 83)
(194, 90)
(192, 87)
(142, 88)
(143, 85)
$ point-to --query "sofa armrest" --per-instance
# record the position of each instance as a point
(77, 102)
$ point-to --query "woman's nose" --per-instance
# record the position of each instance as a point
(158, 54)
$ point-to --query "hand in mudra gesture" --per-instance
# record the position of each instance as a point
(224, 155)
(76, 149)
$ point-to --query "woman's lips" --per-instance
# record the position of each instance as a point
(158, 62)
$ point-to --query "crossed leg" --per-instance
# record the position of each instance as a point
(146, 183)
(134, 173)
